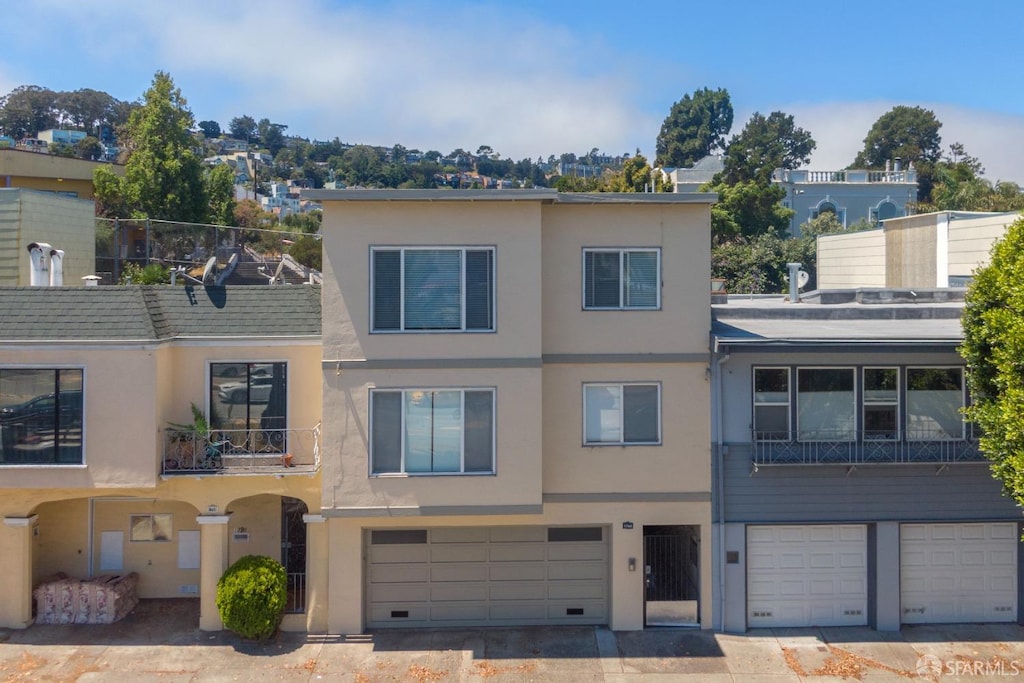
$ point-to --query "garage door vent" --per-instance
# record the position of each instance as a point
(1004, 608)
(852, 612)
(399, 614)
(574, 611)
(762, 614)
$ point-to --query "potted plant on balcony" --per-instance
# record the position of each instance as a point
(193, 447)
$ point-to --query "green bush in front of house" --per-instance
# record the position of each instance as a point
(251, 596)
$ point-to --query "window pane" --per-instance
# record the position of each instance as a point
(601, 279)
(604, 414)
(825, 404)
(480, 290)
(446, 445)
(41, 416)
(69, 411)
(934, 399)
(880, 385)
(880, 422)
(479, 425)
(386, 439)
(640, 413)
(386, 290)
(771, 385)
(771, 422)
(433, 289)
(641, 279)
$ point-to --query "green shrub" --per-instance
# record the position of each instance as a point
(251, 596)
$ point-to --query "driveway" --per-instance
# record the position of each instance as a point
(160, 642)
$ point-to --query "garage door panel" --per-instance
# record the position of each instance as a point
(487, 576)
(970, 572)
(806, 575)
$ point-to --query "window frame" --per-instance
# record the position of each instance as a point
(248, 378)
(402, 392)
(622, 251)
(896, 403)
(852, 369)
(788, 404)
(462, 249)
(908, 432)
(82, 416)
(622, 443)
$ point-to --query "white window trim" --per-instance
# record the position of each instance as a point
(621, 442)
(963, 395)
(622, 279)
(462, 249)
(402, 391)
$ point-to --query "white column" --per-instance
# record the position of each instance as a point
(16, 563)
(317, 568)
(213, 544)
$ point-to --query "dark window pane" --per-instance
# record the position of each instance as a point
(640, 413)
(387, 290)
(479, 431)
(824, 380)
(771, 422)
(480, 290)
(398, 536)
(601, 279)
(41, 416)
(641, 279)
(386, 437)
(934, 379)
(570, 534)
(880, 422)
(771, 385)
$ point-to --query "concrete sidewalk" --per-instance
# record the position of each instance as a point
(160, 642)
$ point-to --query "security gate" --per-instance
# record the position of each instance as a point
(671, 575)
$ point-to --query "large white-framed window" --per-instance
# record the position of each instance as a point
(622, 279)
(432, 431)
(826, 404)
(771, 404)
(935, 397)
(432, 289)
(881, 403)
(42, 415)
(622, 413)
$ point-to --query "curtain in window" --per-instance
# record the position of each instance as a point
(602, 270)
(387, 279)
(386, 436)
(640, 413)
(641, 290)
(479, 290)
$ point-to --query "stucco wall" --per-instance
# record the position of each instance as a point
(971, 240)
(910, 251)
(63, 223)
(851, 260)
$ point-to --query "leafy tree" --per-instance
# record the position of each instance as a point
(635, 176)
(28, 109)
(86, 109)
(108, 194)
(361, 165)
(243, 128)
(210, 129)
(993, 324)
(307, 250)
(271, 135)
(220, 186)
(757, 264)
(89, 148)
(150, 274)
(747, 208)
(911, 133)
(163, 175)
(765, 144)
(694, 127)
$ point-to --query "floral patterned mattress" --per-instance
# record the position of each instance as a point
(62, 599)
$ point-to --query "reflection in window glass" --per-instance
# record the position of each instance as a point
(934, 399)
(41, 416)
(250, 396)
(622, 414)
(771, 404)
(825, 404)
(881, 403)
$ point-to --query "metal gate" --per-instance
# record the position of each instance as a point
(293, 552)
(671, 575)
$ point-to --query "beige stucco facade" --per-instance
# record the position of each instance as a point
(50, 172)
(544, 348)
(65, 223)
(59, 518)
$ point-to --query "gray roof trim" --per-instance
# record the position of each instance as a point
(536, 195)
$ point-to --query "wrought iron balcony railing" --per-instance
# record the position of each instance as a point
(242, 451)
(849, 447)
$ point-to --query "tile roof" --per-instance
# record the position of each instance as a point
(150, 313)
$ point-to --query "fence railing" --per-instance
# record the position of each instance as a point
(232, 451)
(859, 447)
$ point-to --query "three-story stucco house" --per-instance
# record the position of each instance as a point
(104, 469)
(516, 408)
(849, 489)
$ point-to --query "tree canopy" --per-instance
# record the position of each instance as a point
(765, 144)
(993, 346)
(910, 133)
(695, 126)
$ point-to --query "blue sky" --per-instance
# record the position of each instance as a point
(533, 78)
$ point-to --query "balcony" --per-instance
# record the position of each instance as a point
(847, 176)
(865, 448)
(242, 452)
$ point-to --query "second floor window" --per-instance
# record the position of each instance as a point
(41, 416)
(432, 289)
(617, 279)
(248, 399)
(432, 431)
(621, 414)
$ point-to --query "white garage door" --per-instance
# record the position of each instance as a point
(487, 576)
(954, 573)
(810, 575)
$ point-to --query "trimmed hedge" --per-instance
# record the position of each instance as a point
(251, 596)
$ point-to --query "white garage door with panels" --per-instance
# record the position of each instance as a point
(807, 575)
(954, 573)
(473, 576)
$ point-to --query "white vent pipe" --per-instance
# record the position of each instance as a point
(56, 267)
(39, 258)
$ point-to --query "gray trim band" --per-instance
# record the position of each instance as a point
(597, 358)
(432, 363)
(641, 497)
(434, 510)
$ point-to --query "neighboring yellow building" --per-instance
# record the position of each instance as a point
(96, 481)
(65, 223)
(50, 172)
(516, 408)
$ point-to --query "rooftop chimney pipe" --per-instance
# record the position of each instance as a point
(794, 282)
(56, 267)
(39, 259)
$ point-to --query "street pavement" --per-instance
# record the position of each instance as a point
(160, 642)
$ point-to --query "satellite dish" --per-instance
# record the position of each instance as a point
(802, 278)
(209, 269)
